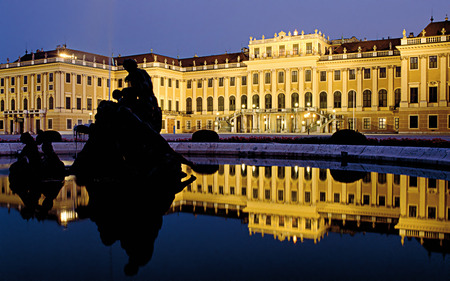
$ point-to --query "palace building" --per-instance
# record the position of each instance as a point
(290, 83)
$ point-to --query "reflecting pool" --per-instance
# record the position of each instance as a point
(243, 219)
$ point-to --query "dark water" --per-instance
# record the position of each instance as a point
(246, 222)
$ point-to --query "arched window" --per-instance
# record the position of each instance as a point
(323, 100)
(38, 103)
(199, 104)
(382, 98)
(351, 99)
(232, 103)
(268, 101)
(308, 99)
(295, 100)
(25, 104)
(337, 99)
(367, 98)
(255, 101)
(244, 102)
(397, 97)
(13, 104)
(281, 101)
(188, 105)
(50, 103)
(2, 105)
(221, 103)
(209, 104)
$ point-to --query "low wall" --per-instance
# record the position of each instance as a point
(439, 157)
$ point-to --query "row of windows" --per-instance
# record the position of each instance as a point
(414, 62)
(12, 80)
(267, 51)
(89, 80)
(432, 94)
(210, 82)
(50, 105)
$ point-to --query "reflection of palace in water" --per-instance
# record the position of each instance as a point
(297, 203)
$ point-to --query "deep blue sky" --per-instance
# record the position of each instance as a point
(203, 27)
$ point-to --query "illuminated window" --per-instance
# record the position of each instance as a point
(414, 63)
(337, 75)
(221, 82)
(432, 62)
(366, 123)
(382, 123)
(398, 71)
(352, 74)
(307, 75)
(267, 78)
(294, 76)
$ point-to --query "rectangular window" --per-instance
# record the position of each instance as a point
(309, 48)
(307, 75)
(169, 105)
(199, 124)
(50, 124)
(295, 49)
(209, 125)
(412, 212)
(67, 102)
(351, 198)
(161, 81)
(89, 104)
(232, 81)
(210, 83)
(178, 124)
(398, 71)
(414, 63)
(50, 77)
(177, 84)
(267, 194)
(2, 82)
(322, 197)
(414, 122)
(221, 82)
(431, 212)
(78, 79)
(323, 76)
(366, 123)
(412, 181)
(267, 77)
(432, 94)
(337, 198)
(382, 73)
(79, 103)
(413, 95)
(50, 87)
(120, 83)
(352, 74)
(89, 80)
(366, 199)
(337, 75)
(280, 77)
(199, 83)
(177, 106)
(99, 82)
(163, 125)
(169, 81)
(294, 76)
(161, 104)
(188, 125)
(69, 124)
(282, 50)
(269, 51)
(256, 52)
(38, 88)
(1, 125)
(432, 62)
(381, 200)
(25, 79)
(255, 78)
(366, 73)
(189, 84)
(244, 80)
(67, 77)
(382, 123)
(25, 89)
(432, 121)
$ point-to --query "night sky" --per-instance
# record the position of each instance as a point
(204, 27)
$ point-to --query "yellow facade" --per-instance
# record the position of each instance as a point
(289, 83)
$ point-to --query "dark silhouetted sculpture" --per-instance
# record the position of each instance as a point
(129, 170)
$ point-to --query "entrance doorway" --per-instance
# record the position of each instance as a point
(170, 125)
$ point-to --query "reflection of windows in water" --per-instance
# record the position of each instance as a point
(351, 198)
(396, 201)
(294, 222)
(431, 212)
(255, 193)
(255, 218)
(307, 173)
(221, 169)
(232, 190)
(381, 178)
(294, 195)
(432, 183)
(412, 211)
(307, 224)
(294, 173)
(220, 189)
(281, 172)
(281, 221)
(244, 191)
(323, 174)
(366, 199)
(307, 197)
(381, 200)
(367, 178)
(322, 197)
(210, 189)
(280, 195)
(397, 179)
(412, 181)
(268, 171)
(244, 171)
(255, 171)
(337, 198)
(232, 170)
(267, 194)
(268, 220)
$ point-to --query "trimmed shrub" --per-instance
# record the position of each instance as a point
(205, 136)
(348, 137)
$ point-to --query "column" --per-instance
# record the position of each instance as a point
(31, 89)
(375, 99)
(84, 99)
(74, 97)
(215, 95)
(288, 80)
(205, 96)
(94, 102)
(390, 90)
(330, 90)
(166, 94)
(359, 89)
(443, 62)
(423, 81)
(315, 88)
(301, 88)
(404, 88)
(183, 94)
(238, 94)
(227, 95)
